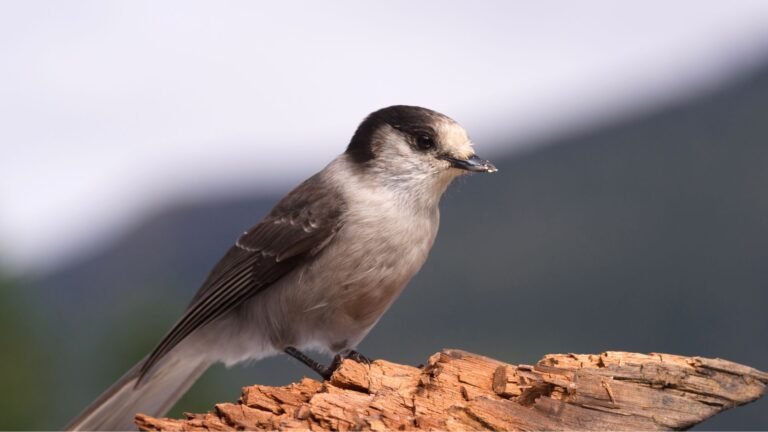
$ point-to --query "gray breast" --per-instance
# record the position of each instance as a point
(342, 294)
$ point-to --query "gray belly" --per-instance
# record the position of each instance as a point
(331, 303)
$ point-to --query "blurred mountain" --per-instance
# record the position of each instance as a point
(649, 234)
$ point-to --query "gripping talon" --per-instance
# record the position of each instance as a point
(327, 372)
(356, 356)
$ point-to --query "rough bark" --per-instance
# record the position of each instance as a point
(458, 390)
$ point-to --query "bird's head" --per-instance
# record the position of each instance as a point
(413, 147)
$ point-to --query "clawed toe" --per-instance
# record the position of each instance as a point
(356, 356)
(351, 355)
(327, 372)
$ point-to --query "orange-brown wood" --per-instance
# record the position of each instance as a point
(457, 390)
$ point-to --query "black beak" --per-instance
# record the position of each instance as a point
(472, 164)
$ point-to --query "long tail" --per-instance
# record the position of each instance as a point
(116, 407)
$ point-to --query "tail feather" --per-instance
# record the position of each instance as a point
(116, 408)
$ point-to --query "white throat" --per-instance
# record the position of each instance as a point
(407, 188)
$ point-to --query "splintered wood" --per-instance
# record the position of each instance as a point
(458, 390)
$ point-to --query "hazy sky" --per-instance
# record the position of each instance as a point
(109, 109)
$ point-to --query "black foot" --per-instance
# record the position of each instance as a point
(356, 356)
(327, 372)
(351, 355)
(312, 364)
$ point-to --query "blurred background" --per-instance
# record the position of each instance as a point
(138, 139)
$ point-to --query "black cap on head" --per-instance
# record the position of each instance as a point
(409, 119)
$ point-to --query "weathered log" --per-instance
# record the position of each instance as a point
(458, 390)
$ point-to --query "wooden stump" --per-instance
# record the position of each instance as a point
(458, 390)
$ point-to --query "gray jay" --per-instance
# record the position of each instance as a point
(318, 272)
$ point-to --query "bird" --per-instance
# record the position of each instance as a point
(318, 272)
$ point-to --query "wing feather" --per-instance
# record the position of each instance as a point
(298, 228)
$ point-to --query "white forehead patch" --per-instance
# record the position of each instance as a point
(454, 139)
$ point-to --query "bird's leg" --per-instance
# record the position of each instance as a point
(312, 364)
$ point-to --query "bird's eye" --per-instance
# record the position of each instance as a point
(425, 142)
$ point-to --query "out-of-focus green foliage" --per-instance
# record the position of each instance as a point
(22, 367)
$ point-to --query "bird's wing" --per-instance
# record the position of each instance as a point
(298, 228)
